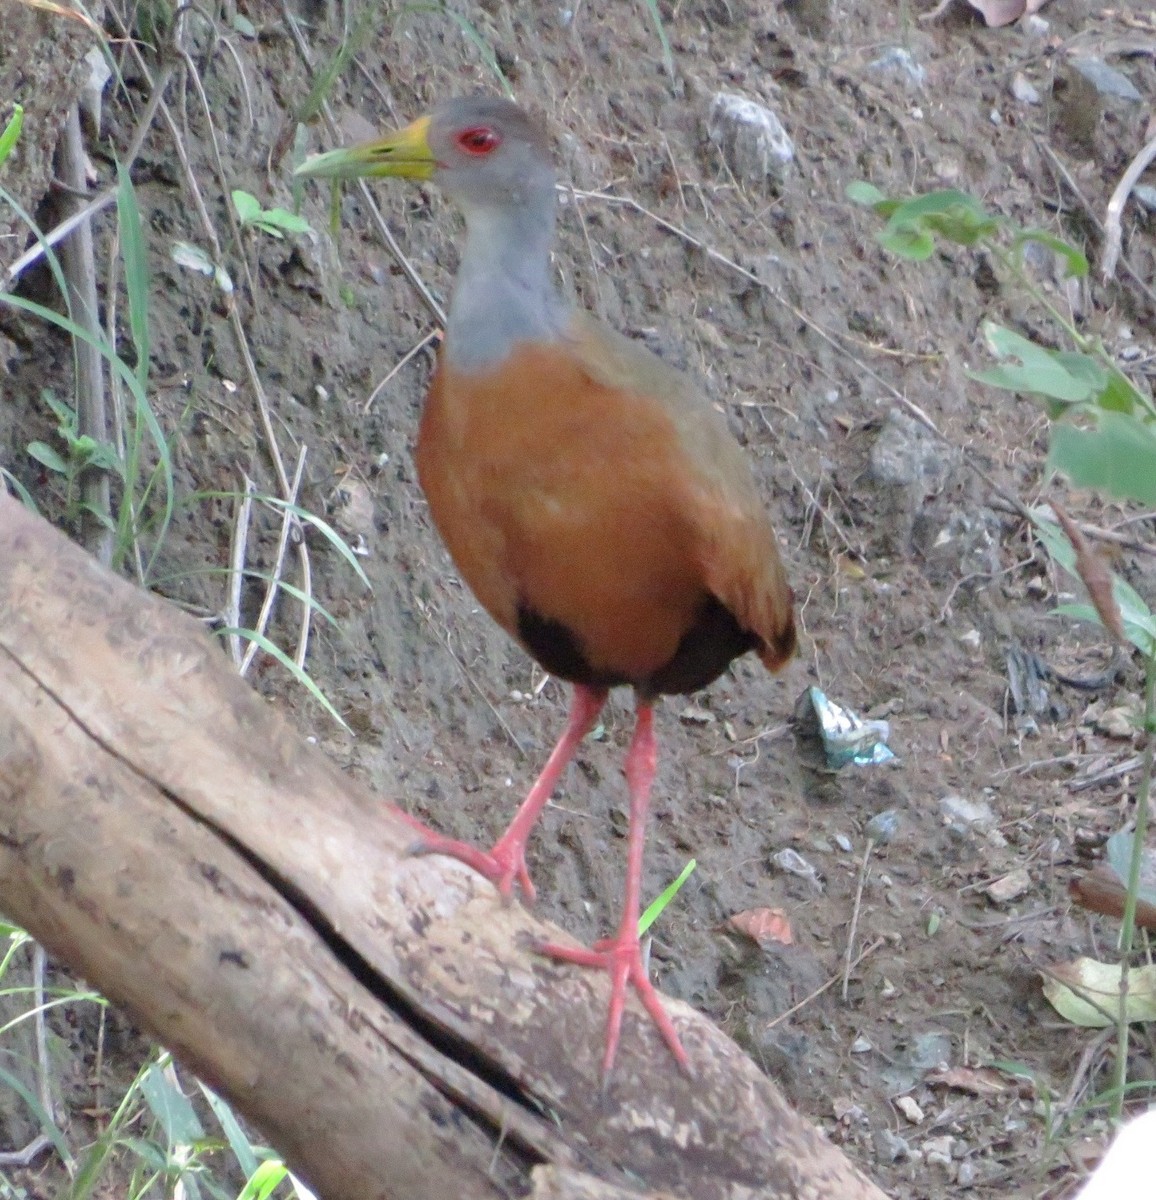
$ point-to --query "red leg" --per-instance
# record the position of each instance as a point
(506, 862)
(621, 955)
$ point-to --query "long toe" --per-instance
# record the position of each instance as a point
(503, 866)
(623, 959)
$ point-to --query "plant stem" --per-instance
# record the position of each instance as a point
(1128, 928)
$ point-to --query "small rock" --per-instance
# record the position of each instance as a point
(905, 453)
(756, 146)
(847, 1112)
(890, 1147)
(1010, 887)
(353, 508)
(967, 1174)
(1106, 80)
(911, 1111)
(938, 1150)
(961, 813)
(861, 1045)
(1024, 90)
(898, 61)
(1118, 722)
(883, 826)
(995, 117)
(971, 640)
(843, 842)
(693, 714)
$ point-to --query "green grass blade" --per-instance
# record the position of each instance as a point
(136, 269)
(43, 1117)
(663, 40)
(325, 529)
(241, 1146)
(274, 651)
(11, 132)
(655, 909)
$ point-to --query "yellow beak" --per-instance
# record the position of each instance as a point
(405, 154)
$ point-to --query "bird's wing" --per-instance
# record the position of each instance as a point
(737, 547)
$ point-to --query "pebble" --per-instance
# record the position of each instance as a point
(960, 812)
(1106, 80)
(754, 142)
(890, 1147)
(1010, 887)
(938, 1150)
(899, 61)
(1024, 90)
(910, 1109)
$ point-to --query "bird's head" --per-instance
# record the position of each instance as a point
(482, 151)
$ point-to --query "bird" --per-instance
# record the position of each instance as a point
(588, 492)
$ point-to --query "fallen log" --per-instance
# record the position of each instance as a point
(378, 1016)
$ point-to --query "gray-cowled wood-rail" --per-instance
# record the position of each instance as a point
(588, 493)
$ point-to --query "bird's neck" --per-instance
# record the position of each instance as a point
(505, 291)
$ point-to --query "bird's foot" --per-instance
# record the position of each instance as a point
(503, 866)
(622, 957)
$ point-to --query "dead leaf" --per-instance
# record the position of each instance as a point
(1095, 573)
(764, 926)
(1101, 890)
(1087, 993)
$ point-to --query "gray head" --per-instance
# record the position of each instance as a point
(493, 160)
(489, 153)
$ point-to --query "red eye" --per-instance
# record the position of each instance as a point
(479, 139)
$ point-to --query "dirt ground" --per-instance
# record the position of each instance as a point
(915, 579)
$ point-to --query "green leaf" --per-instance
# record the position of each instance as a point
(1070, 377)
(263, 1181)
(1118, 456)
(951, 214)
(907, 241)
(11, 132)
(45, 454)
(171, 1107)
(282, 218)
(1120, 394)
(1076, 263)
(859, 191)
(247, 205)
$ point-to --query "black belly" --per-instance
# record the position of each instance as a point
(703, 654)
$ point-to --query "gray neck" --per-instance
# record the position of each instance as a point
(505, 292)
